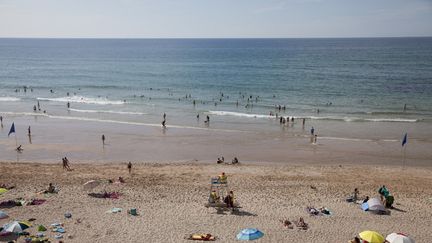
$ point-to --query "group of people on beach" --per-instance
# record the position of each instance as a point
(221, 160)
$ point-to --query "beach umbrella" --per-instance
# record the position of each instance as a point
(91, 184)
(3, 190)
(3, 215)
(250, 234)
(14, 227)
(371, 236)
(399, 238)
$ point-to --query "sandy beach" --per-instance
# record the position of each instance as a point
(170, 201)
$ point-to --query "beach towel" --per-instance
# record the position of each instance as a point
(3, 190)
(201, 237)
(111, 195)
(9, 204)
(114, 210)
(37, 201)
(41, 228)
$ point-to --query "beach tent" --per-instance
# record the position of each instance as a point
(3, 215)
(399, 238)
(14, 227)
(373, 204)
(250, 234)
(371, 236)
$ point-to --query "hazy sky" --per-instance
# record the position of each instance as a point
(215, 18)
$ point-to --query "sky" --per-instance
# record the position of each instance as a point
(214, 18)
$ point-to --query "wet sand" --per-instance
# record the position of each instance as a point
(170, 199)
(53, 139)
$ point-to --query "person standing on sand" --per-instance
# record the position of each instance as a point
(68, 105)
(312, 131)
(129, 166)
(103, 140)
(29, 131)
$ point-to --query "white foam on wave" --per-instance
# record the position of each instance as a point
(109, 111)
(358, 119)
(9, 99)
(24, 113)
(85, 100)
(238, 114)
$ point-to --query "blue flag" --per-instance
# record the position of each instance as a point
(12, 129)
(405, 139)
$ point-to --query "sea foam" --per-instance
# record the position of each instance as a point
(9, 99)
(238, 114)
(85, 100)
(109, 111)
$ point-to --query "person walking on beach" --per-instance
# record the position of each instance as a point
(315, 139)
(163, 123)
(1, 121)
(103, 140)
(312, 131)
(68, 105)
(129, 166)
(164, 116)
(66, 165)
(38, 106)
(29, 131)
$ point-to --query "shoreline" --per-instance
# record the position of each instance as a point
(227, 164)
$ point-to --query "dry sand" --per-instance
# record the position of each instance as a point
(170, 199)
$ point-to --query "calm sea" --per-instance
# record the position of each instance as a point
(346, 84)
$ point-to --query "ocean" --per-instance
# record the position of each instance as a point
(353, 89)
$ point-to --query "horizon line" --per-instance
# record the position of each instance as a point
(209, 38)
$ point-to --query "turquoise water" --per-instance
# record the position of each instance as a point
(364, 78)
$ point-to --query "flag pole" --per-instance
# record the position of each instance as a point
(16, 141)
(404, 157)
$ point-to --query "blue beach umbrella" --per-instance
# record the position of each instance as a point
(250, 234)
